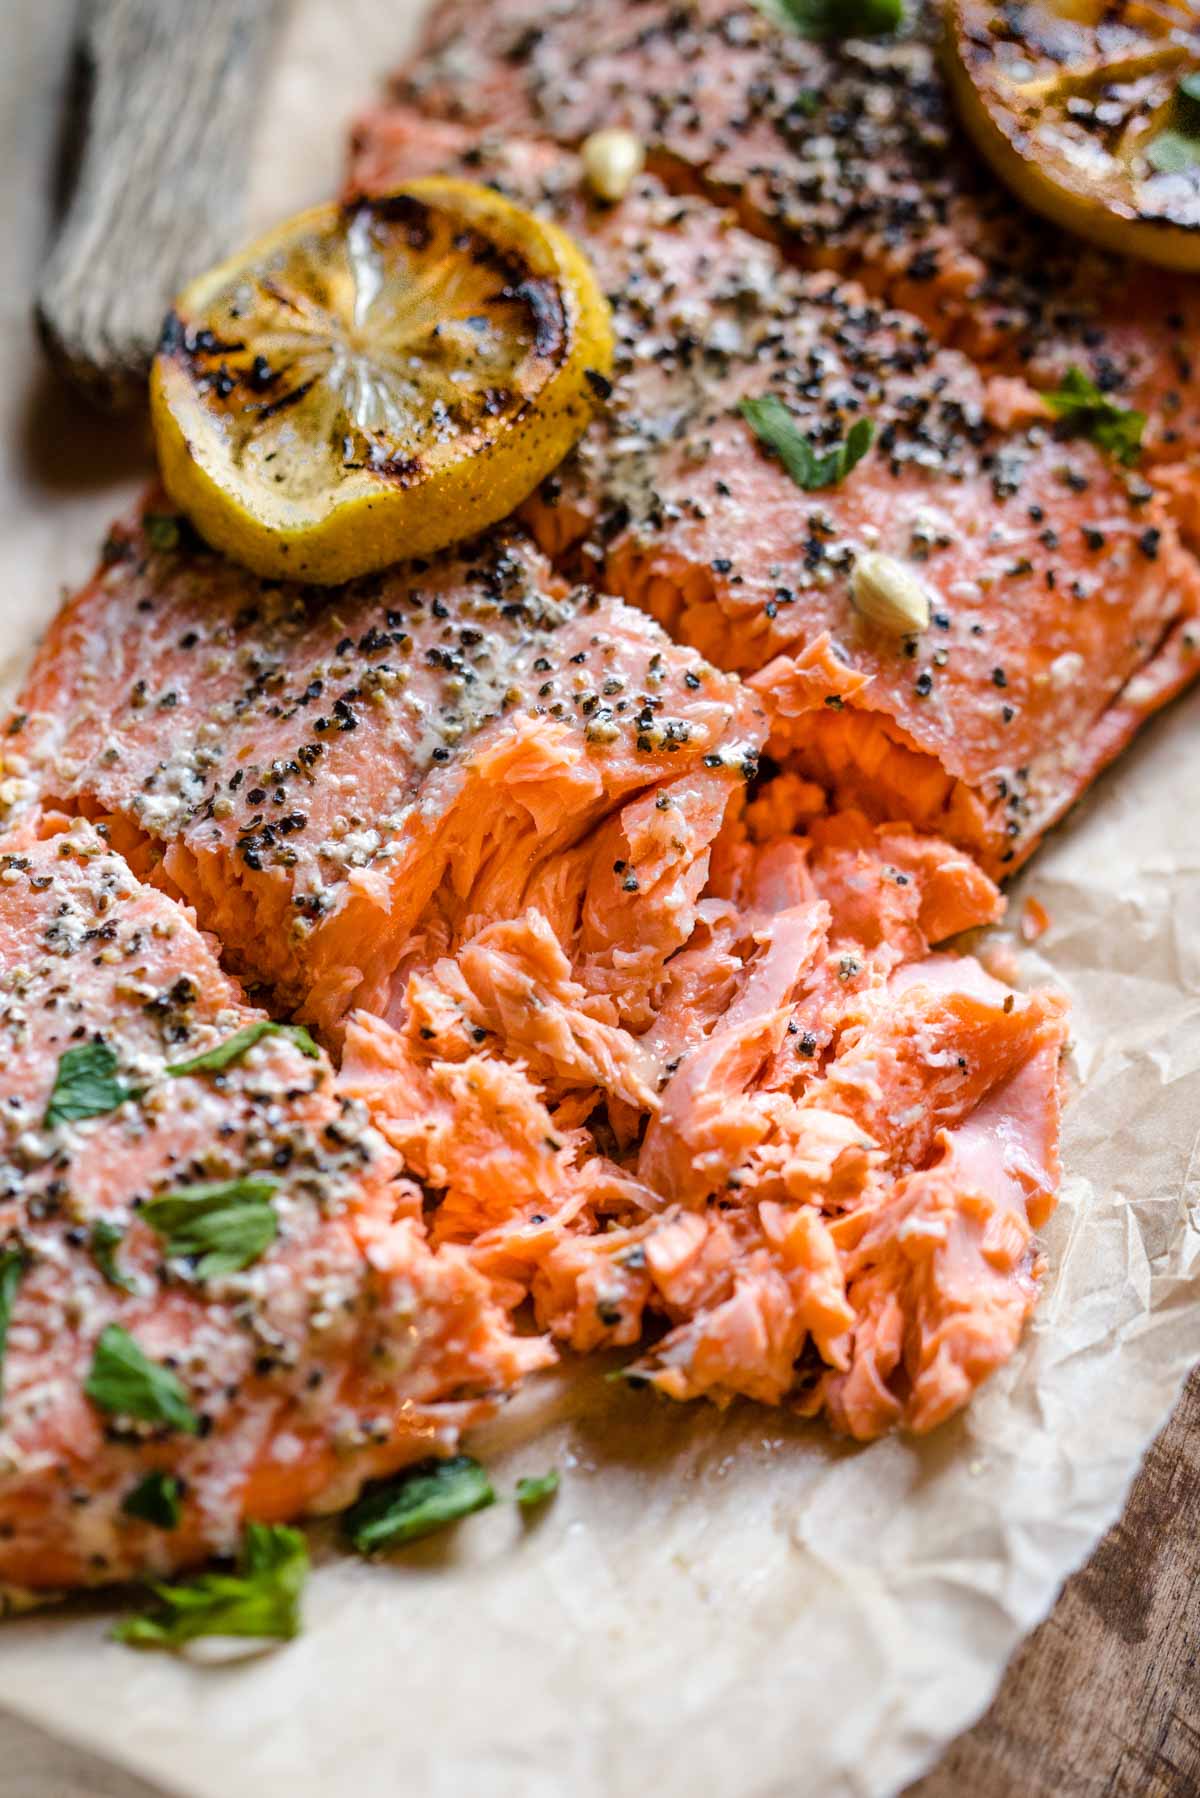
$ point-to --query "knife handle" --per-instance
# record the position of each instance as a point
(169, 93)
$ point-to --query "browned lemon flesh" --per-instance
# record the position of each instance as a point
(1083, 108)
(373, 382)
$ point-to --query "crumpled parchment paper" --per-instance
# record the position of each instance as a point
(722, 1606)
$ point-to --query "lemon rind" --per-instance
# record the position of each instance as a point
(993, 127)
(360, 532)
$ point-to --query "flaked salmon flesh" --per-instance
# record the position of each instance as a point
(1062, 604)
(824, 1083)
(620, 861)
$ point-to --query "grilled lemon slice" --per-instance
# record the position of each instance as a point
(1090, 111)
(375, 381)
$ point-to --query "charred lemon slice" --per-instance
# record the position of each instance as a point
(375, 381)
(1090, 111)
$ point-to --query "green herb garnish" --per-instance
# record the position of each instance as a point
(825, 19)
(13, 1263)
(224, 1225)
(156, 1499)
(1176, 149)
(630, 1375)
(1095, 415)
(262, 1599)
(426, 1498)
(535, 1489)
(810, 468)
(86, 1085)
(162, 530)
(125, 1382)
(104, 1241)
(1173, 152)
(215, 1060)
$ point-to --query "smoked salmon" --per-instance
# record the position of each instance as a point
(1058, 605)
(216, 1279)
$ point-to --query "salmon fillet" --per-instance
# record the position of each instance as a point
(619, 1054)
(846, 154)
(1062, 602)
(336, 780)
(644, 1040)
(341, 1349)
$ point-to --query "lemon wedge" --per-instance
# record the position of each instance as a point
(1090, 111)
(375, 381)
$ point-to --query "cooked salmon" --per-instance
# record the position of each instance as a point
(1059, 601)
(646, 1041)
(848, 155)
(341, 781)
(831, 1197)
(668, 1040)
(328, 1345)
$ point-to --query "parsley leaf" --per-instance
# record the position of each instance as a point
(106, 1238)
(631, 1375)
(215, 1060)
(223, 1225)
(825, 19)
(86, 1085)
(156, 1499)
(1176, 149)
(162, 530)
(1095, 415)
(424, 1499)
(537, 1488)
(13, 1263)
(261, 1599)
(811, 469)
(125, 1382)
(1173, 152)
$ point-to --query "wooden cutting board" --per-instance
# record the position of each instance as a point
(1103, 1701)
(161, 105)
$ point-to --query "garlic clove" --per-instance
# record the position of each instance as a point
(889, 594)
(612, 160)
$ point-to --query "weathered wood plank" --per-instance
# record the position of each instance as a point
(1103, 1701)
(167, 99)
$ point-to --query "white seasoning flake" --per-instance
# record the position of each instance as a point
(1066, 669)
(13, 792)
